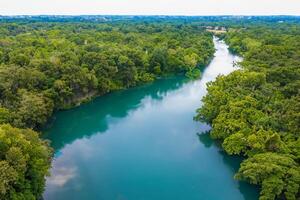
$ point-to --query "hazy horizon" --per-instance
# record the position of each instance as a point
(150, 7)
(167, 15)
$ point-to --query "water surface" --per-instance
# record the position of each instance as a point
(142, 144)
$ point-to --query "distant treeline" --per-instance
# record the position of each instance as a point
(255, 111)
(231, 20)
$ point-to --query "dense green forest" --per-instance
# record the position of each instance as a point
(50, 66)
(49, 63)
(255, 111)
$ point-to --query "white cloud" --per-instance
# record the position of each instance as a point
(151, 7)
(61, 175)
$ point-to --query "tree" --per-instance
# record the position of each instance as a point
(277, 173)
(25, 160)
(33, 111)
(254, 111)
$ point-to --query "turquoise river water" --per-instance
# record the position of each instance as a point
(142, 144)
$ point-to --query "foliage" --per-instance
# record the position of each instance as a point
(50, 66)
(255, 111)
(24, 161)
(193, 73)
(49, 63)
(278, 174)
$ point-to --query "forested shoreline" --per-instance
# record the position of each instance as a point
(49, 63)
(46, 67)
(254, 111)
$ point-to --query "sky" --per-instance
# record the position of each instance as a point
(150, 7)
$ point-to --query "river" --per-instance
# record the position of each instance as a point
(142, 144)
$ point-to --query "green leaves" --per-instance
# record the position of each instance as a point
(194, 73)
(7, 177)
(48, 67)
(277, 173)
(63, 65)
(25, 160)
(255, 111)
(33, 110)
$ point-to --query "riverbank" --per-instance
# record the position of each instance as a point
(125, 145)
(254, 112)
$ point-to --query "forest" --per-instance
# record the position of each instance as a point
(50, 63)
(255, 111)
(45, 67)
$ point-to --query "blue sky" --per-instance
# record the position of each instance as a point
(151, 7)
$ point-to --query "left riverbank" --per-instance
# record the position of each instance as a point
(47, 67)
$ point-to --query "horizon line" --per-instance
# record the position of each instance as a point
(145, 15)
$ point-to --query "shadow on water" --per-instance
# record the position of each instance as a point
(67, 126)
(233, 163)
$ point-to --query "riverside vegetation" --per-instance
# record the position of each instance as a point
(51, 63)
(255, 111)
(50, 66)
